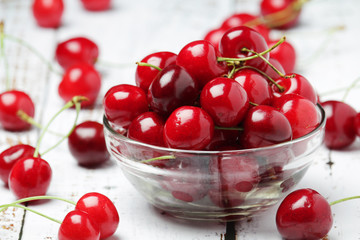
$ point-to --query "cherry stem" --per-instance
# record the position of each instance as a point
(166, 157)
(233, 71)
(3, 56)
(34, 51)
(5, 206)
(221, 59)
(142, 64)
(343, 200)
(229, 128)
(347, 91)
(74, 101)
(28, 199)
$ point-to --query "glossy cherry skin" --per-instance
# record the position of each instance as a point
(76, 50)
(214, 36)
(199, 58)
(87, 144)
(237, 38)
(340, 130)
(30, 177)
(173, 87)
(286, 55)
(357, 124)
(80, 80)
(301, 113)
(145, 75)
(265, 126)
(10, 103)
(10, 156)
(289, 20)
(48, 13)
(96, 5)
(124, 102)
(222, 139)
(225, 101)
(147, 128)
(78, 225)
(304, 214)
(188, 127)
(102, 211)
(255, 85)
(297, 85)
(270, 72)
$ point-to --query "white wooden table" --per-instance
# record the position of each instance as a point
(127, 33)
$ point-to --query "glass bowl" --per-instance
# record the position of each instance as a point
(214, 185)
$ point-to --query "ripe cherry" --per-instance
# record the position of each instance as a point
(147, 128)
(48, 13)
(96, 5)
(76, 50)
(173, 87)
(225, 101)
(101, 210)
(123, 103)
(339, 129)
(255, 85)
(188, 127)
(29, 177)
(234, 41)
(304, 214)
(357, 124)
(264, 126)
(87, 144)
(222, 139)
(270, 72)
(80, 80)
(214, 36)
(78, 225)
(288, 14)
(286, 55)
(10, 156)
(10, 103)
(144, 75)
(199, 58)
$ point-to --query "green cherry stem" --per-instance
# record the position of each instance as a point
(74, 101)
(221, 59)
(142, 64)
(343, 200)
(34, 51)
(3, 56)
(28, 199)
(5, 206)
(166, 157)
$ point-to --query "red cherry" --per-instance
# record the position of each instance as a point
(270, 72)
(145, 75)
(87, 144)
(225, 101)
(339, 128)
(223, 139)
(76, 50)
(10, 103)
(188, 127)
(48, 13)
(264, 126)
(96, 5)
(101, 210)
(301, 113)
(10, 156)
(80, 80)
(236, 39)
(199, 58)
(255, 85)
(172, 88)
(123, 103)
(304, 214)
(357, 124)
(147, 128)
(297, 85)
(214, 36)
(287, 20)
(286, 55)
(30, 177)
(78, 225)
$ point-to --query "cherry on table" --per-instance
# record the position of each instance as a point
(87, 144)
(357, 124)
(101, 210)
(304, 214)
(76, 50)
(284, 53)
(48, 13)
(78, 225)
(96, 5)
(10, 103)
(10, 156)
(80, 79)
